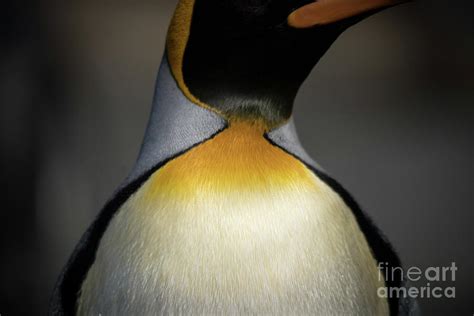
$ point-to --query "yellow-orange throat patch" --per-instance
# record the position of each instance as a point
(237, 159)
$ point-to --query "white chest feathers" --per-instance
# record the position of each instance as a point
(207, 238)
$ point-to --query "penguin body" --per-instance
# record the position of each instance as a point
(234, 226)
(224, 212)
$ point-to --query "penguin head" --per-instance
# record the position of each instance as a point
(248, 58)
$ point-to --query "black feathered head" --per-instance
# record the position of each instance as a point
(248, 58)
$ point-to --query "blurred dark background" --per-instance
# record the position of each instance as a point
(389, 111)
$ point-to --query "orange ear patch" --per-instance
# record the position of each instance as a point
(328, 11)
(176, 41)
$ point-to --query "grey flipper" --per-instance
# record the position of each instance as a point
(176, 124)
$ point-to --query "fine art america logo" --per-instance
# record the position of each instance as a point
(434, 281)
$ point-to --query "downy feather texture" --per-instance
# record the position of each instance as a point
(233, 226)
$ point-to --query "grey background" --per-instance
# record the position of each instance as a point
(388, 111)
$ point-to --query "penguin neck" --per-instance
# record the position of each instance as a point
(174, 102)
(257, 106)
(177, 123)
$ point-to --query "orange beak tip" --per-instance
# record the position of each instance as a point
(330, 11)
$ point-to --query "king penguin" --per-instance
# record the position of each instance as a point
(224, 213)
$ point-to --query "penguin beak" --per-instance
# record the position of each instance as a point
(324, 12)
